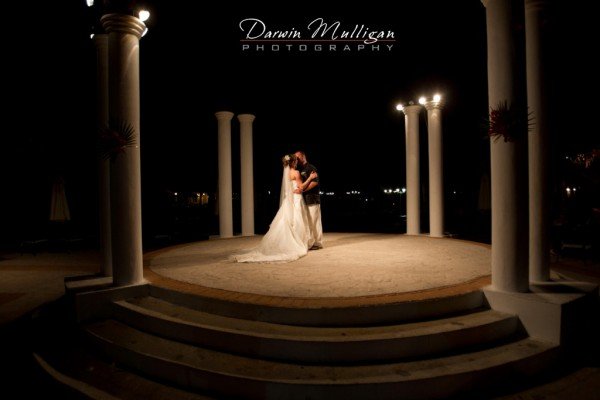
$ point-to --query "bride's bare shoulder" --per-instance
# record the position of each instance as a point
(294, 174)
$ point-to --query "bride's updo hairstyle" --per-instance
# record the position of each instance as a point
(288, 159)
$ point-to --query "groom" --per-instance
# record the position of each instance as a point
(312, 199)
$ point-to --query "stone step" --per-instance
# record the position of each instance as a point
(325, 314)
(314, 344)
(231, 375)
(81, 375)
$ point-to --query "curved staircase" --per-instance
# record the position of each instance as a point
(413, 350)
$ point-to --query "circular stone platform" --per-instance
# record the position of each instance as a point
(350, 265)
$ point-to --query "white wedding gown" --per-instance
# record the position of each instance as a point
(289, 237)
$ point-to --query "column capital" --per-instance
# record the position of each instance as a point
(224, 115)
(434, 105)
(246, 117)
(412, 109)
(123, 23)
(535, 5)
(488, 2)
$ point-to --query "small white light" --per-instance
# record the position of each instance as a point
(399, 107)
(175, 193)
(144, 15)
(269, 192)
(403, 190)
(437, 98)
(422, 100)
(568, 190)
(574, 189)
(91, 36)
(320, 193)
(89, 2)
(145, 31)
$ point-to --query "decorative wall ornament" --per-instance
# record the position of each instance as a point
(115, 138)
(509, 121)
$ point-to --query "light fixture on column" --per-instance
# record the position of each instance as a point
(399, 107)
(435, 100)
(143, 15)
(93, 14)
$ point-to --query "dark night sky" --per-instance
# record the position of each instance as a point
(338, 107)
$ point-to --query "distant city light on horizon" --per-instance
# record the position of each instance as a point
(397, 190)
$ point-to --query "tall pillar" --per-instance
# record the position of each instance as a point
(539, 184)
(101, 42)
(436, 169)
(225, 186)
(413, 209)
(124, 32)
(247, 173)
(508, 158)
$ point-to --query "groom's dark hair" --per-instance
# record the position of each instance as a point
(301, 152)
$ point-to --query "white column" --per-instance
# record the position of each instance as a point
(508, 159)
(247, 173)
(124, 32)
(101, 42)
(539, 185)
(413, 209)
(436, 169)
(225, 185)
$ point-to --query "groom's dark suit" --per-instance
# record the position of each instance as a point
(310, 196)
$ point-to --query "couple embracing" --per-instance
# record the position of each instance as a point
(297, 226)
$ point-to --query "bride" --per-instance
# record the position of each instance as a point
(289, 236)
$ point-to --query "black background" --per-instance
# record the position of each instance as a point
(337, 106)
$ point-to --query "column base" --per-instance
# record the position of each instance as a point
(215, 237)
(92, 300)
(557, 312)
(443, 235)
